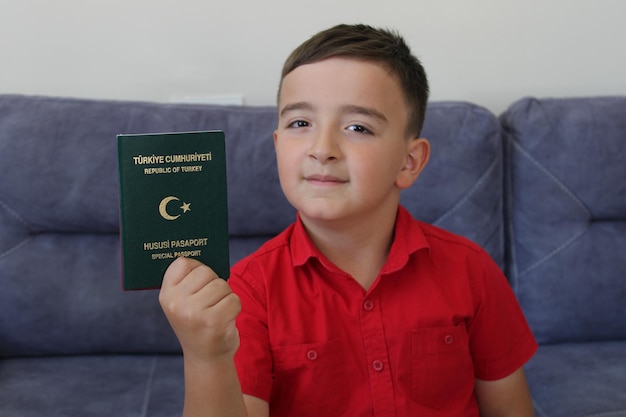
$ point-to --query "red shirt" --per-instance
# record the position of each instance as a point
(315, 343)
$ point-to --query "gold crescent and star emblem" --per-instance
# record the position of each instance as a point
(185, 207)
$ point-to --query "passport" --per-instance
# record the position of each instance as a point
(172, 203)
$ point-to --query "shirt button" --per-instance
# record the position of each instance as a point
(448, 340)
(368, 305)
(311, 355)
(378, 366)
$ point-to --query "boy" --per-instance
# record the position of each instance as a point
(356, 309)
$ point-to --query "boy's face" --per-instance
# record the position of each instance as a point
(341, 142)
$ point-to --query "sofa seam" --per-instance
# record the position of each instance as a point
(538, 408)
(510, 255)
(14, 214)
(483, 177)
(472, 190)
(555, 180)
(14, 248)
(21, 221)
(552, 177)
(554, 252)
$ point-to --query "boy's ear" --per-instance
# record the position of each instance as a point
(418, 153)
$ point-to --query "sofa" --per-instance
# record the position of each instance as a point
(542, 187)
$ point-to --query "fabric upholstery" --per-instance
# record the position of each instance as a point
(579, 380)
(541, 188)
(92, 386)
(566, 239)
(461, 187)
(566, 208)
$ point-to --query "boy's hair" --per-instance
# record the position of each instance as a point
(366, 43)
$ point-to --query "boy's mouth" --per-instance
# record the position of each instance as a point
(324, 179)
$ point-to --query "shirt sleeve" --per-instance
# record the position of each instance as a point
(500, 339)
(253, 358)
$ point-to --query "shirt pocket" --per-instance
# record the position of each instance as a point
(442, 371)
(309, 379)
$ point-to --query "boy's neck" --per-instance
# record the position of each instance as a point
(357, 249)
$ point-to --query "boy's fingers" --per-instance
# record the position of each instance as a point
(197, 279)
(178, 270)
(229, 306)
(213, 293)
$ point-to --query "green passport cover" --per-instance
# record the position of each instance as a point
(172, 203)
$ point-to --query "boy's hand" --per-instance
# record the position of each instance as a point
(201, 308)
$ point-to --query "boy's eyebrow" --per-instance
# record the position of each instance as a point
(365, 111)
(301, 105)
(348, 108)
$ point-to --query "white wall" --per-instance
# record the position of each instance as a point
(487, 51)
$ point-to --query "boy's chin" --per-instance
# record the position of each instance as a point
(320, 213)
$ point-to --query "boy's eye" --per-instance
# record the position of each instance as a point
(359, 129)
(299, 123)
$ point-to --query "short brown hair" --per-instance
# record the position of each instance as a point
(366, 43)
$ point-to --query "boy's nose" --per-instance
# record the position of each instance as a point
(324, 147)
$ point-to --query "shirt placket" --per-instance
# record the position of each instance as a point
(377, 356)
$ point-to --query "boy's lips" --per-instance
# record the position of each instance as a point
(324, 179)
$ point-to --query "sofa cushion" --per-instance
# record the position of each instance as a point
(579, 380)
(566, 210)
(461, 187)
(92, 386)
(59, 243)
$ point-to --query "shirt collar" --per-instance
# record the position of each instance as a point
(408, 239)
(301, 245)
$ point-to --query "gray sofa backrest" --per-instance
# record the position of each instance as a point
(60, 290)
(461, 188)
(566, 213)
